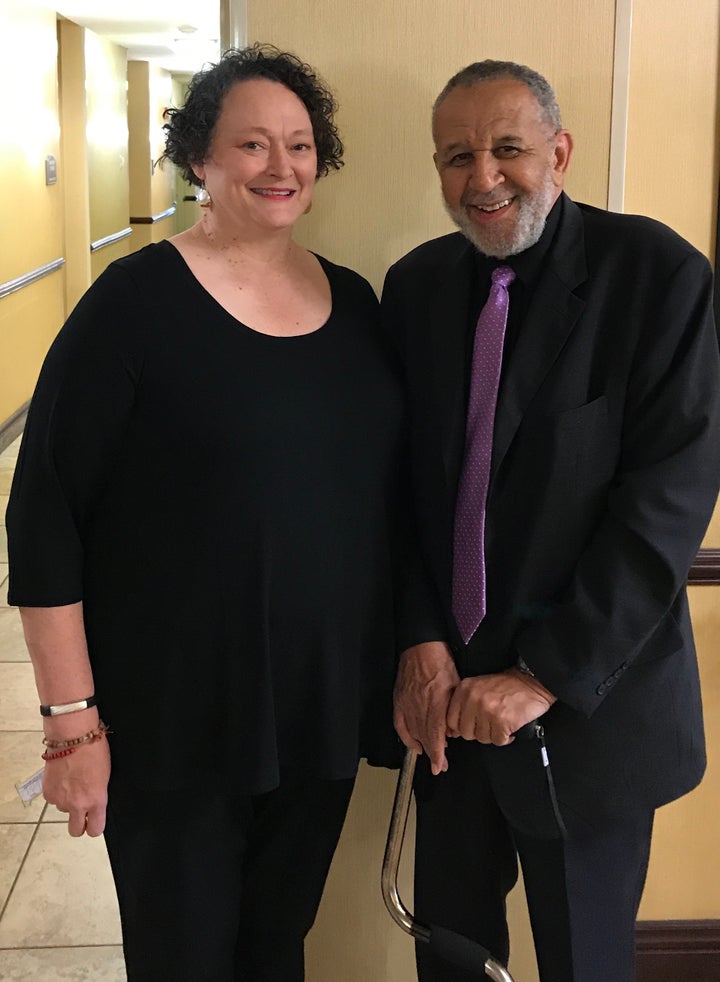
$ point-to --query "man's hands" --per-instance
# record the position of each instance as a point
(491, 708)
(425, 683)
(432, 703)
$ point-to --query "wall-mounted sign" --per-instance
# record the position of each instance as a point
(50, 169)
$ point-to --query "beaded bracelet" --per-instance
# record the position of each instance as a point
(90, 737)
(58, 753)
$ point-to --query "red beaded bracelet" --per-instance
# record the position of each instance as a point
(90, 737)
(58, 753)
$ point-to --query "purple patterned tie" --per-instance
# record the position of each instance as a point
(468, 593)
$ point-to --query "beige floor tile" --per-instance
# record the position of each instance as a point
(3, 581)
(12, 639)
(18, 697)
(4, 498)
(6, 476)
(51, 814)
(14, 840)
(20, 756)
(3, 545)
(11, 452)
(102, 964)
(63, 896)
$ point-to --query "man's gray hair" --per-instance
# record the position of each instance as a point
(486, 71)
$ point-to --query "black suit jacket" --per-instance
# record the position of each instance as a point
(605, 470)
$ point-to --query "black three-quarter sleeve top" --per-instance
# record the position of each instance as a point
(223, 502)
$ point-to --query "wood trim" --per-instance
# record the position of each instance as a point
(670, 951)
(705, 571)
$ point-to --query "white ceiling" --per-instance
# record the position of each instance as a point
(151, 30)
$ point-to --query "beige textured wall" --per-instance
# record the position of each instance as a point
(386, 63)
(684, 876)
(712, 539)
(673, 154)
(672, 175)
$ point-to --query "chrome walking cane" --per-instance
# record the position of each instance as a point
(454, 948)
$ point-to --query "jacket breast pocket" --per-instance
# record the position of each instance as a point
(573, 448)
(586, 446)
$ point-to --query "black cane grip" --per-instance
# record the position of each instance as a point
(526, 732)
(458, 950)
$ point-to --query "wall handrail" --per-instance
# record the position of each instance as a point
(110, 239)
(11, 286)
(151, 219)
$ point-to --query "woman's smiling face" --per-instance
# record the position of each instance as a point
(261, 167)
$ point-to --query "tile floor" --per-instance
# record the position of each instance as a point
(58, 914)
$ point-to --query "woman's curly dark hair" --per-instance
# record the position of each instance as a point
(190, 130)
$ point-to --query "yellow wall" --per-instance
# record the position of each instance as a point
(107, 147)
(672, 159)
(162, 182)
(75, 182)
(712, 539)
(152, 187)
(188, 212)
(684, 876)
(74, 105)
(138, 118)
(32, 213)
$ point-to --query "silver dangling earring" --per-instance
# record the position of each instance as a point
(202, 196)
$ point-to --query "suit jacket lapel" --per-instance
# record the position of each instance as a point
(552, 314)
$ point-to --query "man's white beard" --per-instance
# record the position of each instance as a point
(500, 243)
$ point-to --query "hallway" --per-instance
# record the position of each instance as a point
(58, 914)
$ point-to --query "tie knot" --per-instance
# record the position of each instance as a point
(502, 276)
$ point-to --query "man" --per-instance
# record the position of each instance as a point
(555, 587)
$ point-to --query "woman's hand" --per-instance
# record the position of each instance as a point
(77, 784)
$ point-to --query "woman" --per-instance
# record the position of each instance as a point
(200, 544)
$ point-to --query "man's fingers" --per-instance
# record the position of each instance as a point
(435, 744)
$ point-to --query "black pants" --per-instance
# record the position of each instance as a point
(583, 892)
(214, 888)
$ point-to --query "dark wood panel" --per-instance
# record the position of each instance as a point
(705, 571)
(678, 951)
